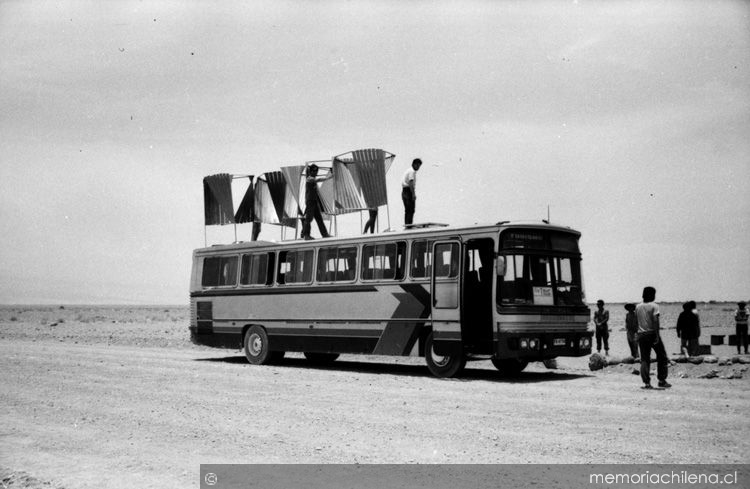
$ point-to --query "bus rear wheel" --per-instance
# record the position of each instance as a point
(510, 366)
(321, 358)
(444, 366)
(257, 348)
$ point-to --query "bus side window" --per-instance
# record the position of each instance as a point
(291, 263)
(446, 260)
(347, 264)
(229, 272)
(383, 261)
(421, 259)
(368, 262)
(306, 266)
(219, 271)
(400, 260)
(283, 268)
(295, 267)
(255, 268)
(374, 258)
(325, 255)
(336, 264)
(210, 277)
(270, 268)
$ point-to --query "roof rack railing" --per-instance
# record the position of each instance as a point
(424, 225)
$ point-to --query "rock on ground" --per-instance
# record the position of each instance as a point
(597, 362)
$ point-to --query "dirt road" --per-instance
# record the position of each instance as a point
(92, 414)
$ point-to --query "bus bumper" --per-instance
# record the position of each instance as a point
(542, 346)
(216, 340)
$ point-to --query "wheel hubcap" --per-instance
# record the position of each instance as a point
(256, 345)
(439, 360)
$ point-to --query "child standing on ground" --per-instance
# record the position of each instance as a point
(631, 327)
(740, 318)
(601, 320)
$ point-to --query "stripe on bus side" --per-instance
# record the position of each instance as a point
(347, 322)
(399, 337)
(364, 333)
(283, 289)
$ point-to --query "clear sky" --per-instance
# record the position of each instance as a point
(631, 120)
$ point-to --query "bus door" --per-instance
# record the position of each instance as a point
(477, 303)
(446, 304)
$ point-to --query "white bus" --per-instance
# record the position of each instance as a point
(509, 292)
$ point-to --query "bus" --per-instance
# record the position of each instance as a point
(507, 292)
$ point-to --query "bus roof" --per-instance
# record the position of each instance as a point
(419, 230)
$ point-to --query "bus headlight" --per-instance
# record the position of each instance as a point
(533, 344)
(584, 343)
(524, 343)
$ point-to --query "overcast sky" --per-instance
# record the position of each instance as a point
(631, 120)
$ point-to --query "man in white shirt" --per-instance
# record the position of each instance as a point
(408, 190)
(647, 314)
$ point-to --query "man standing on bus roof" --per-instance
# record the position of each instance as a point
(647, 313)
(408, 190)
(312, 203)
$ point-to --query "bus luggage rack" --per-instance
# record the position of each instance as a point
(425, 225)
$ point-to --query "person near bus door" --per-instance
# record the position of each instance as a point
(601, 321)
(312, 203)
(408, 190)
(647, 313)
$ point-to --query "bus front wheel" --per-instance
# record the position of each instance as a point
(509, 366)
(444, 366)
(257, 348)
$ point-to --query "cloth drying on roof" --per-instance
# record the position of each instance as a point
(326, 192)
(271, 196)
(264, 209)
(346, 188)
(217, 199)
(293, 177)
(245, 212)
(371, 166)
(359, 180)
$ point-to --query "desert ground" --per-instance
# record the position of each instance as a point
(116, 397)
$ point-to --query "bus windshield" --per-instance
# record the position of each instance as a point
(540, 279)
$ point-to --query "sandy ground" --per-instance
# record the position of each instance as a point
(118, 397)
